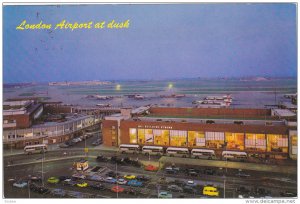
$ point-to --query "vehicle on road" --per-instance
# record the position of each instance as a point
(135, 183)
(129, 177)
(164, 194)
(69, 182)
(64, 145)
(20, 184)
(152, 150)
(82, 184)
(129, 148)
(176, 151)
(39, 148)
(210, 191)
(175, 188)
(203, 154)
(53, 180)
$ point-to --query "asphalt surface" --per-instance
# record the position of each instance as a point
(20, 169)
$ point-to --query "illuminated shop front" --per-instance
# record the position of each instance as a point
(196, 139)
(234, 141)
(277, 143)
(294, 144)
(214, 139)
(255, 142)
(161, 137)
(178, 138)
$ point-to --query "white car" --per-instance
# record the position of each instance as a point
(190, 183)
(20, 184)
(121, 181)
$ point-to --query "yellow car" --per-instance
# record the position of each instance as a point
(82, 185)
(129, 177)
(210, 191)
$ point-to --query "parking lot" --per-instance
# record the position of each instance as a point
(103, 175)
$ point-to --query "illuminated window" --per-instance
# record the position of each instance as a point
(214, 139)
(196, 139)
(141, 136)
(235, 141)
(161, 137)
(132, 136)
(277, 143)
(294, 144)
(148, 136)
(178, 138)
(255, 142)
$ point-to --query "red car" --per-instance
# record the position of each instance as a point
(117, 189)
(151, 168)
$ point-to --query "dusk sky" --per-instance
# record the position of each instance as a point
(162, 41)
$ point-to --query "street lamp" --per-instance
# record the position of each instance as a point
(224, 184)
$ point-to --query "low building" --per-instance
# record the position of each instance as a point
(254, 131)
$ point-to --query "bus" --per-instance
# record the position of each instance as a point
(203, 154)
(179, 152)
(153, 150)
(129, 148)
(39, 148)
(232, 155)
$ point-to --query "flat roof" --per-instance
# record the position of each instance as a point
(284, 113)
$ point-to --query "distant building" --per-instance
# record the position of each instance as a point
(20, 114)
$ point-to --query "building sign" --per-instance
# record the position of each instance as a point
(155, 127)
(149, 138)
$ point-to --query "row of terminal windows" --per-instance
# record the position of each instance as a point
(216, 140)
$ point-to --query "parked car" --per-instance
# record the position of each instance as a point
(151, 168)
(78, 176)
(190, 183)
(98, 186)
(35, 178)
(58, 192)
(135, 183)
(97, 142)
(131, 191)
(53, 180)
(209, 171)
(110, 180)
(82, 184)
(164, 194)
(74, 194)
(288, 194)
(117, 189)
(20, 184)
(62, 178)
(242, 174)
(69, 182)
(96, 178)
(129, 177)
(143, 178)
(101, 158)
(170, 170)
(175, 188)
(179, 182)
(210, 191)
(242, 190)
(38, 189)
(189, 189)
(121, 181)
(64, 145)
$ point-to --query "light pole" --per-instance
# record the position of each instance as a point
(117, 180)
(28, 188)
(43, 167)
(224, 177)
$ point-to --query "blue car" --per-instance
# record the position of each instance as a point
(135, 183)
(110, 180)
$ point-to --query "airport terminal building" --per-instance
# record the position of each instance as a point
(269, 133)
